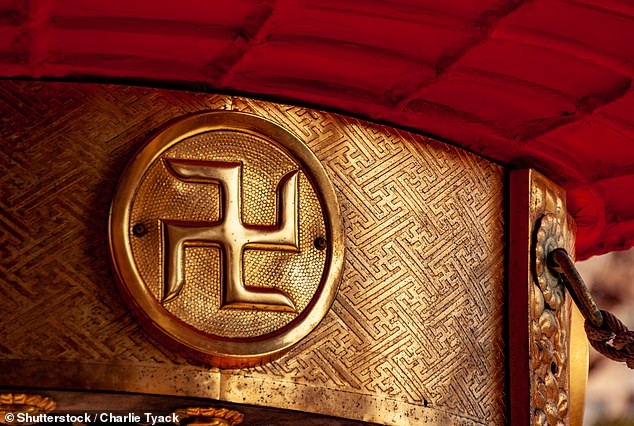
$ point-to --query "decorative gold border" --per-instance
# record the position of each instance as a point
(156, 320)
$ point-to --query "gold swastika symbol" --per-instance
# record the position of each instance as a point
(230, 235)
(226, 238)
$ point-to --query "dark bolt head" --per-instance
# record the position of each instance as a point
(139, 230)
(320, 243)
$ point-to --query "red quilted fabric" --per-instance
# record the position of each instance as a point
(542, 83)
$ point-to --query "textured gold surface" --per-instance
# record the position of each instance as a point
(414, 336)
(550, 306)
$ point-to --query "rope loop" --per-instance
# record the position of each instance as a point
(612, 339)
(606, 333)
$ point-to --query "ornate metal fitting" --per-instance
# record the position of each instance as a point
(551, 399)
(208, 416)
(549, 236)
(549, 353)
(12, 404)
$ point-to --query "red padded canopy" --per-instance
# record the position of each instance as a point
(542, 83)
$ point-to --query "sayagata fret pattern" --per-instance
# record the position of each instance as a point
(417, 326)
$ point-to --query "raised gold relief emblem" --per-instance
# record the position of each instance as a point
(226, 238)
(230, 236)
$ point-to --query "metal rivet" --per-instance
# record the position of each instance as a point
(320, 243)
(139, 230)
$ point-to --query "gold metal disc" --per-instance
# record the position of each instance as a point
(226, 238)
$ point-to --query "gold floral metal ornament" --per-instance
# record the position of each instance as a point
(208, 416)
(226, 238)
(13, 404)
(550, 235)
(549, 329)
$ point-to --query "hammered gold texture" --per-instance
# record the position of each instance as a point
(414, 336)
(160, 196)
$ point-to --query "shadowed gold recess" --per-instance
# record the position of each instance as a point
(214, 231)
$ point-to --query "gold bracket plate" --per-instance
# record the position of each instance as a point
(226, 238)
(541, 348)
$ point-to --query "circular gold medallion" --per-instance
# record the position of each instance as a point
(226, 238)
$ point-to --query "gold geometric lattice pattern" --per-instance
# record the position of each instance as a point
(414, 336)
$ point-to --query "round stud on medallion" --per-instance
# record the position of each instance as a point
(213, 237)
